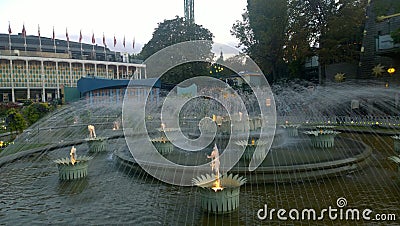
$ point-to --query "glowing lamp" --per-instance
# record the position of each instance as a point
(391, 70)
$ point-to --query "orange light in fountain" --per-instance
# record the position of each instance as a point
(286, 122)
(217, 185)
(72, 153)
(163, 139)
(253, 142)
(214, 118)
(321, 131)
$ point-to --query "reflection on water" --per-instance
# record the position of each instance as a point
(30, 193)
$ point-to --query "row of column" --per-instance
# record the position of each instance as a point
(137, 75)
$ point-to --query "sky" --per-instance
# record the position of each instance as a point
(133, 19)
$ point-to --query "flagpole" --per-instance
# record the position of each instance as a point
(80, 41)
(40, 41)
(54, 41)
(24, 34)
(93, 42)
(115, 52)
(104, 43)
(66, 34)
(9, 36)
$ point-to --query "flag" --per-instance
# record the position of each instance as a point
(9, 28)
(115, 41)
(104, 40)
(133, 43)
(38, 27)
(66, 34)
(93, 40)
(124, 41)
(54, 34)
(23, 31)
(80, 36)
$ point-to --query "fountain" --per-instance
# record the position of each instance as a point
(219, 194)
(250, 148)
(73, 168)
(118, 185)
(163, 145)
(396, 160)
(322, 138)
(96, 144)
(291, 129)
(396, 143)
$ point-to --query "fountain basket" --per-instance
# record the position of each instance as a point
(97, 144)
(396, 143)
(67, 171)
(163, 147)
(322, 139)
(222, 201)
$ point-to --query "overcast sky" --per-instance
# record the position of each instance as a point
(131, 18)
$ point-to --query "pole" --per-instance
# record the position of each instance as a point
(40, 41)
(9, 42)
(9, 36)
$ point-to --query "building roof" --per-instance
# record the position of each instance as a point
(87, 84)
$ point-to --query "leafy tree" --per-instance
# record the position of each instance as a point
(396, 36)
(285, 32)
(15, 121)
(262, 33)
(175, 31)
(171, 32)
(35, 111)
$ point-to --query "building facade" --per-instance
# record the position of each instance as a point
(382, 19)
(42, 75)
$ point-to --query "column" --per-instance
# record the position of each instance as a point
(95, 69)
(145, 72)
(127, 71)
(28, 94)
(106, 70)
(135, 73)
(140, 73)
(43, 82)
(58, 81)
(12, 82)
(70, 73)
(83, 70)
(117, 71)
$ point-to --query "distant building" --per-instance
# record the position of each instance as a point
(42, 72)
(110, 91)
(378, 46)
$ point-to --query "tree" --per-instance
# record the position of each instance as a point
(172, 32)
(262, 33)
(175, 31)
(15, 121)
(283, 33)
(35, 111)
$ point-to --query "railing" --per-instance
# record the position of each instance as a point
(345, 120)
